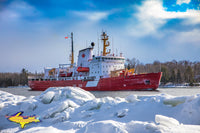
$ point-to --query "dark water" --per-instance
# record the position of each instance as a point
(25, 91)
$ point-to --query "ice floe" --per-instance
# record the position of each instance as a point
(71, 109)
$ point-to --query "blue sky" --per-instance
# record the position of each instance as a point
(32, 32)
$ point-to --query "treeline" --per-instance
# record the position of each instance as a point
(16, 79)
(174, 71)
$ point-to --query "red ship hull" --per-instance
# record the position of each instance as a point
(149, 81)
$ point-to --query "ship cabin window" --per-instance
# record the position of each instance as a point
(97, 58)
(108, 58)
(118, 59)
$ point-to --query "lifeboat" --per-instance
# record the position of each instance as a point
(83, 69)
(66, 75)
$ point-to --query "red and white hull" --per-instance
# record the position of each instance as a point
(134, 82)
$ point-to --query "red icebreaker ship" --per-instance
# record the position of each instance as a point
(104, 72)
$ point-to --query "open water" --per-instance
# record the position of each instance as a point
(26, 91)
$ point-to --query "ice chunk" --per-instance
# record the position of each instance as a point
(63, 116)
(48, 97)
(78, 124)
(174, 101)
(166, 121)
(141, 127)
(92, 105)
(132, 98)
(57, 93)
(122, 113)
(108, 126)
(108, 100)
(57, 109)
(72, 104)
(28, 106)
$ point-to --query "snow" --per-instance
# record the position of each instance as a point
(73, 110)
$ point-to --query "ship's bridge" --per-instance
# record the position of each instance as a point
(101, 66)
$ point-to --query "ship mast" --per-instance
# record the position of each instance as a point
(106, 43)
(72, 57)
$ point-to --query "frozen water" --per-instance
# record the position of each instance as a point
(71, 109)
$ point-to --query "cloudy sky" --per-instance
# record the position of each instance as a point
(32, 32)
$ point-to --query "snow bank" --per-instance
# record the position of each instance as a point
(7, 99)
(71, 109)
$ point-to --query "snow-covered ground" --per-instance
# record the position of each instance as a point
(71, 109)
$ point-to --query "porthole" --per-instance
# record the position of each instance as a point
(147, 82)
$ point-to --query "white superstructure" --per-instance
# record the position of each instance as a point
(102, 66)
(84, 57)
(90, 66)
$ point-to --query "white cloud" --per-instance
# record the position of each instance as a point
(93, 16)
(17, 10)
(152, 15)
(179, 2)
(149, 19)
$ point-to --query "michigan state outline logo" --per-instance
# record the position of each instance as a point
(23, 120)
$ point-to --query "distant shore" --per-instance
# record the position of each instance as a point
(183, 85)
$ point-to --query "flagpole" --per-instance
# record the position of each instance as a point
(72, 60)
